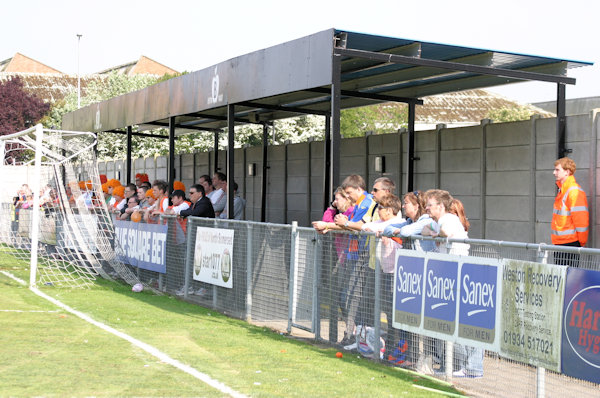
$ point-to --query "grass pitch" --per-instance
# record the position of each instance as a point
(46, 351)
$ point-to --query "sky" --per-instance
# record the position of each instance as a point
(193, 35)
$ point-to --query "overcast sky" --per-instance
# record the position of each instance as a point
(192, 35)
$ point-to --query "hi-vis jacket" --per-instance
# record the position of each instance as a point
(570, 218)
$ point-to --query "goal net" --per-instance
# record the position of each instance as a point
(53, 210)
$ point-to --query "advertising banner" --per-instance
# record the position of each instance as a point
(450, 297)
(530, 329)
(478, 303)
(441, 290)
(581, 325)
(408, 291)
(141, 245)
(213, 256)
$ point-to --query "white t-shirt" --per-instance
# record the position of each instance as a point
(214, 196)
(451, 227)
(180, 207)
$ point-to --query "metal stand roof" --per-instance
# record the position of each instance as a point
(318, 74)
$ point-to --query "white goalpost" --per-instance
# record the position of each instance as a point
(53, 211)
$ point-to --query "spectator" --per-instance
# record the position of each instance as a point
(201, 205)
(178, 185)
(219, 198)
(159, 189)
(389, 209)
(141, 195)
(119, 196)
(339, 275)
(239, 204)
(357, 253)
(179, 202)
(448, 224)
(140, 178)
(133, 204)
(468, 360)
(416, 218)
(342, 204)
(147, 212)
(206, 182)
(129, 191)
(570, 217)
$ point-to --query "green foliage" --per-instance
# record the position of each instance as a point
(509, 114)
(380, 119)
(109, 145)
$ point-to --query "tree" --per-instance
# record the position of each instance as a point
(509, 114)
(381, 119)
(109, 145)
(18, 108)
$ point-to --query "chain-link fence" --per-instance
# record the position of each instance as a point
(334, 287)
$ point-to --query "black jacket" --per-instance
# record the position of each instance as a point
(202, 208)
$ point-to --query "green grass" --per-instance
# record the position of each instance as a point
(55, 354)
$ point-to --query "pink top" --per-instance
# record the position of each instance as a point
(341, 240)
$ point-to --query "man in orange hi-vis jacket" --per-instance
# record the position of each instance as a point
(570, 217)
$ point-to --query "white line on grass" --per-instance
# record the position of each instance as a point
(28, 311)
(140, 344)
(11, 276)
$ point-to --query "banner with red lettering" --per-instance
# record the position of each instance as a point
(581, 325)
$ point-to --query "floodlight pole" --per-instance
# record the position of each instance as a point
(78, 76)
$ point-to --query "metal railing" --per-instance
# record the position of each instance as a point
(296, 280)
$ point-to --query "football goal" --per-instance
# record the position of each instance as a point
(53, 209)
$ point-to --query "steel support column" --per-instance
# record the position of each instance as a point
(336, 87)
(561, 121)
(230, 159)
(263, 186)
(411, 148)
(171, 167)
(129, 131)
(216, 149)
(327, 193)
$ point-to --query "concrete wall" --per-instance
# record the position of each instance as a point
(502, 172)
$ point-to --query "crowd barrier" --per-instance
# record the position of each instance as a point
(518, 323)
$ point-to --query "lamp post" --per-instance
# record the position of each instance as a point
(78, 77)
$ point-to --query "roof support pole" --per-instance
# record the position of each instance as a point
(129, 131)
(561, 121)
(216, 149)
(327, 191)
(263, 187)
(336, 88)
(230, 160)
(171, 168)
(411, 147)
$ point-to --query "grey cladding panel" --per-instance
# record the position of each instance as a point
(466, 137)
(508, 158)
(508, 134)
(460, 183)
(508, 183)
(463, 160)
(515, 231)
(507, 208)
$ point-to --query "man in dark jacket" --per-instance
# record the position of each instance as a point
(201, 205)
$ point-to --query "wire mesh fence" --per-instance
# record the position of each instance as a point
(338, 286)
